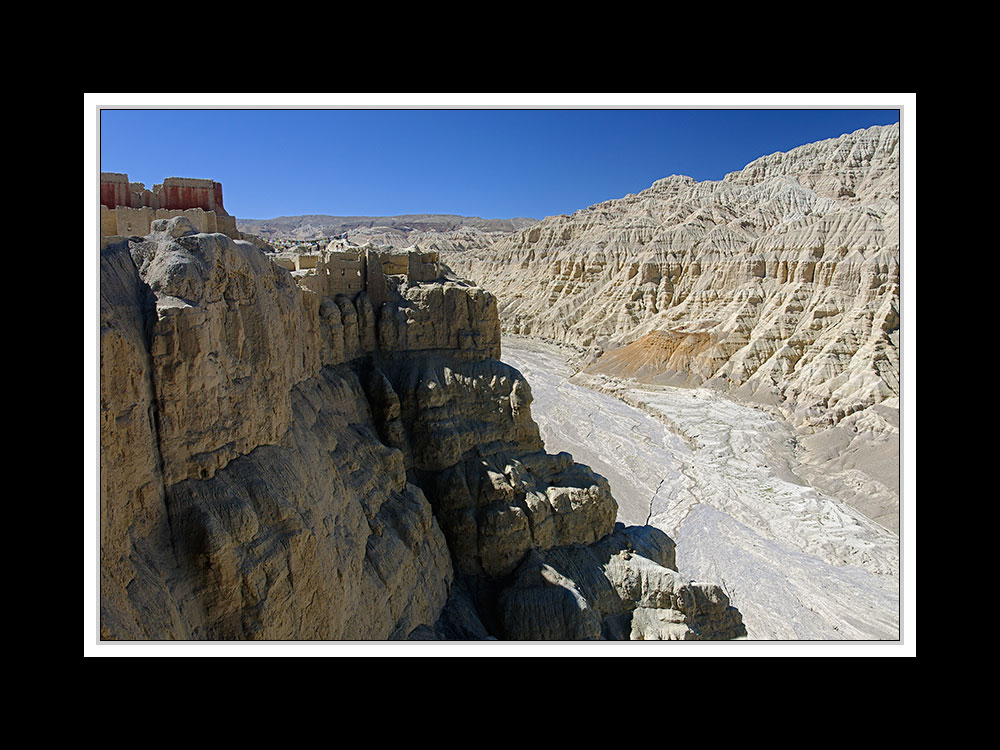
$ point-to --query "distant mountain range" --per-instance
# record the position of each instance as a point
(315, 226)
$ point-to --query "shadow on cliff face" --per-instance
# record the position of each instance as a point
(481, 608)
(532, 535)
(318, 472)
(622, 587)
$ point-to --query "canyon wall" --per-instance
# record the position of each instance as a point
(779, 283)
(281, 463)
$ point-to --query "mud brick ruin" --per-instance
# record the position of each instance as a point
(128, 209)
(349, 270)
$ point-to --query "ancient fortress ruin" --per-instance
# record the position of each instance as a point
(335, 451)
(345, 269)
(128, 209)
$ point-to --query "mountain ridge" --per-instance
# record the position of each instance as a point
(312, 226)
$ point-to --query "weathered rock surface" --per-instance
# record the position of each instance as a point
(304, 526)
(223, 360)
(279, 464)
(779, 282)
(317, 537)
(136, 552)
(624, 587)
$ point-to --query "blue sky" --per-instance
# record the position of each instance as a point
(494, 163)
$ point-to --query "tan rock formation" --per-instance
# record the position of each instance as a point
(266, 449)
(317, 537)
(779, 282)
(245, 492)
(624, 587)
(136, 552)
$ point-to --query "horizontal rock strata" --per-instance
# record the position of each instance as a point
(779, 282)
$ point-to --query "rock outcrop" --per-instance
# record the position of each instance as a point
(278, 463)
(624, 587)
(779, 283)
(245, 492)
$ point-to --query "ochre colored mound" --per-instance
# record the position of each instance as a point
(657, 353)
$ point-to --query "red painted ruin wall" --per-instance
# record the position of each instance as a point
(114, 194)
(174, 197)
(184, 197)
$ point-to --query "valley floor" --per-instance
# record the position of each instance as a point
(724, 480)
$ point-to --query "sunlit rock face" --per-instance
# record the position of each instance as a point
(245, 492)
(278, 463)
(779, 283)
(624, 587)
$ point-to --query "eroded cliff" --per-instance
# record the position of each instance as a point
(779, 283)
(281, 463)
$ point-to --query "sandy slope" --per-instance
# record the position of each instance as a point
(724, 480)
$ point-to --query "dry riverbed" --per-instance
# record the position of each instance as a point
(725, 481)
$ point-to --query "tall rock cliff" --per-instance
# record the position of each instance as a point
(779, 282)
(282, 463)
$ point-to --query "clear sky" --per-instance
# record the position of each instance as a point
(494, 163)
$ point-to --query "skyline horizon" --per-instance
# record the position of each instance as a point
(475, 163)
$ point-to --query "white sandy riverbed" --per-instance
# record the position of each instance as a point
(721, 479)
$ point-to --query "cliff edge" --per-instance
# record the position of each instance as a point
(283, 463)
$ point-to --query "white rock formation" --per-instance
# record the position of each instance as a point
(779, 282)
